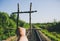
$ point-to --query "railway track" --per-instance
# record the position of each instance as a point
(34, 36)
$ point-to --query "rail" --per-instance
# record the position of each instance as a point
(36, 35)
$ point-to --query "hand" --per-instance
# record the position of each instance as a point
(22, 32)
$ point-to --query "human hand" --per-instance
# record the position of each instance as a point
(22, 32)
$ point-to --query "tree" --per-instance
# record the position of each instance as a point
(6, 25)
(13, 17)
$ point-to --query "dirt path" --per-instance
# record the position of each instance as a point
(13, 38)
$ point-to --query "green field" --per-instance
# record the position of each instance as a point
(51, 30)
(52, 35)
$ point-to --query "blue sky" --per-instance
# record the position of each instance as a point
(48, 10)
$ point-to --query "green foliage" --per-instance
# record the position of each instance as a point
(5, 25)
(26, 25)
(8, 25)
(13, 17)
(1, 30)
(54, 28)
(21, 23)
(12, 24)
(3, 18)
(3, 37)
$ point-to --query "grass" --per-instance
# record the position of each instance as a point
(53, 36)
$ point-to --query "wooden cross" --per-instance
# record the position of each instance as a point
(24, 12)
(17, 32)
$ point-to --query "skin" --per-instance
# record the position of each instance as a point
(22, 32)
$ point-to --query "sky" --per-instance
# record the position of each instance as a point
(47, 10)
